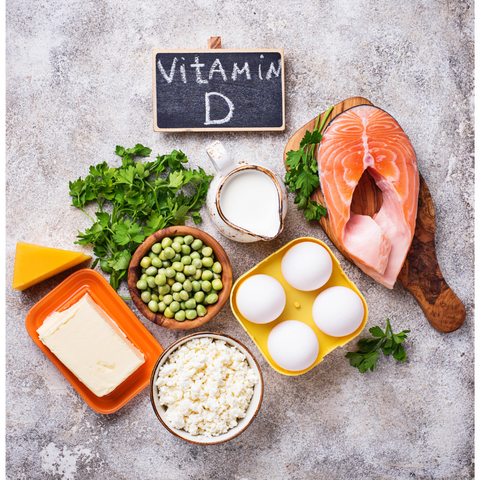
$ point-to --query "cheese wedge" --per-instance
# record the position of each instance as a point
(34, 263)
(90, 344)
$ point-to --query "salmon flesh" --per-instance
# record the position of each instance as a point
(367, 138)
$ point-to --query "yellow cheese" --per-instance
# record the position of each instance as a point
(34, 263)
(90, 344)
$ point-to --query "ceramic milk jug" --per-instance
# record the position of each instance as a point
(247, 202)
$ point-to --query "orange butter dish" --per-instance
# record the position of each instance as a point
(296, 307)
(133, 350)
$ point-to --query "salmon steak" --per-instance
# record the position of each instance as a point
(367, 138)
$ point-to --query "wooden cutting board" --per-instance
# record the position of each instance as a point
(420, 273)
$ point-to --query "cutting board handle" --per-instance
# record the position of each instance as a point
(421, 274)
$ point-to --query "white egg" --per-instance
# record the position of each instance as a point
(293, 345)
(307, 266)
(338, 311)
(261, 299)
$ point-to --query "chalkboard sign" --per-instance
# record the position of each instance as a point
(218, 90)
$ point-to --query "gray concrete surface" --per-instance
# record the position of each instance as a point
(79, 83)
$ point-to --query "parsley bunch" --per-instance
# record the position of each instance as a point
(302, 173)
(366, 358)
(134, 201)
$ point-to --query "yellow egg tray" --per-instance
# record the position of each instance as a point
(259, 333)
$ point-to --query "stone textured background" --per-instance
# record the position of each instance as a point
(79, 83)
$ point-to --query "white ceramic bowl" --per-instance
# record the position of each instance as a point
(243, 423)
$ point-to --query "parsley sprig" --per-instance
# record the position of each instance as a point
(389, 342)
(134, 201)
(302, 172)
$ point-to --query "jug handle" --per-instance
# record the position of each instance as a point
(220, 158)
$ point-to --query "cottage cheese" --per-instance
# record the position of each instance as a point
(206, 386)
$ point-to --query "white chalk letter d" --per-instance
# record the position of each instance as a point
(207, 109)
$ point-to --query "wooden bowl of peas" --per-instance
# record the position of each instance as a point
(180, 278)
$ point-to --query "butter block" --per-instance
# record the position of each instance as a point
(34, 263)
(90, 344)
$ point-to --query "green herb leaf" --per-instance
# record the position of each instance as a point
(140, 201)
(376, 332)
(367, 355)
(302, 173)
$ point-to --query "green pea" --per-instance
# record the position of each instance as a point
(166, 264)
(174, 306)
(194, 255)
(161, 307)
(155, 297)
(160, 297)
(179, 240)
(180, 277)
(186, 249)
(156, 262)
(191, 304)
(184, 295)
(207, 251)
(152, 255)
(190, 269)
(161, 271)
(157, 248)
(168, 313)
(177, 286)
(212, 298)
(143, 270)
(177, 247)
(153, 306)
(164, 290)
(151, 282)
(199, 297)
(188, 240)
(191, 314)
(198, 274)
(206, 286)
(217, 284)
(161, 256)
(145, 262)
(168, 299)
(169, 253)
(196, 286)
(146, 297)
(161, 279)
(207, 262)
(176, 258)
(186, 260)
(170, 281)
(151, 271)
(142, 284)
(217, 267)
(201, 310)
(180, 316)
(182, 305)
(143, 277)
(197, 245)
(217, 275)
(197, 263)
(187, 285)
(166, 242)
(170, 272)
(176, 296)
(207, 275)
(178, 266)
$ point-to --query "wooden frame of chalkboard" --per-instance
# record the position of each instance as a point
(249, 90)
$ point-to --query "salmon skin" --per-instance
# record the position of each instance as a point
(367, 138)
